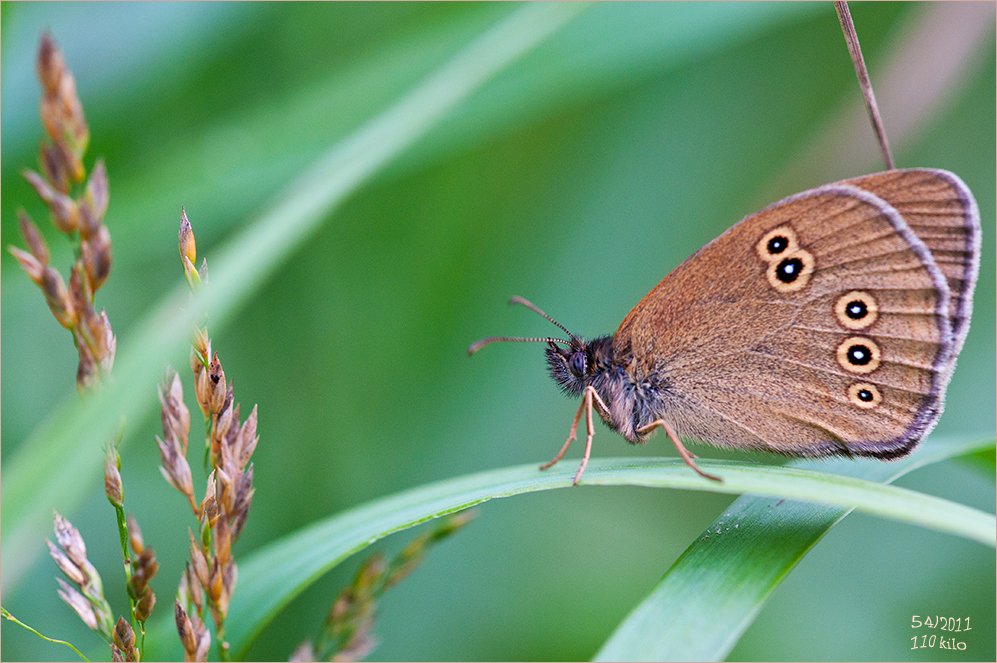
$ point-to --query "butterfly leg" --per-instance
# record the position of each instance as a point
(585, 406)
(686, 456)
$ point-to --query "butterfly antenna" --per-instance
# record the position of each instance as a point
(531, 339)
(495, 339)
(533, 307)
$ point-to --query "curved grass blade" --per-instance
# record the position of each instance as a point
(273, 575)
(55, 465)
(715, 589)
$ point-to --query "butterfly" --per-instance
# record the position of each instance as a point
(826, 324)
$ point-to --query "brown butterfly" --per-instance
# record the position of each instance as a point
(826, 324)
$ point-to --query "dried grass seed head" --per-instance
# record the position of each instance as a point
(31, 266)
(87, 372)
(199, 562)
(188, 247)
(98, 193)
(113, 487)
(79, 603)
(95, 251)
(190, 588)
(185, 629)
(63, 210)
(33, 237)
(58, 299)
(124, 637)
(54, 166)
(174, 413)
(174, 467)
(145, 606)
(70, 539)
(135, 540)
(219, 390)
(72, 570)
(60, 108)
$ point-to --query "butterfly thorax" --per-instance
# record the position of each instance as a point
(633, 399)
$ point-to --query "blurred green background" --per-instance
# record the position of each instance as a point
(577, 178)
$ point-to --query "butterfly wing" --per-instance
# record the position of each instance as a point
(820, 325)
(941, 210)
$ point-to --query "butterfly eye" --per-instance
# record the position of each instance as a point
(577, 364)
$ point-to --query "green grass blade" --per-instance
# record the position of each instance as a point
(55, 465)
(713, 592)
(273, 575)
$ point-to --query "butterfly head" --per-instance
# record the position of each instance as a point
(576, 363)
(572, 362)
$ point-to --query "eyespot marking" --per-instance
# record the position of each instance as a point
(792, 272)
(864, 395)
(777, 243)
(856, 310)
(858, 355)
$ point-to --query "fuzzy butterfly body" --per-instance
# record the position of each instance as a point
(826, 324)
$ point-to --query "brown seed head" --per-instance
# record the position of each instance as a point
(61, 111)
(222, 542)
(191, 588)
(145, 606)
(209, 505)
(33, 238)
(113, 487)
(216, 375)
(53, 165)
(199, 562)
(185, 629)
(174, 413)
(108, 342)
(188, 247)
(96, 254)
(203, 390)
(58, 298)
(246, 444)
(230, 574)
(97, 193)
(215, 582)
(50, 65)
(203, 637)
(135, 541)
(65, 213)
(145, 569)
(228, 493)
(70, 540)
(34, 269)
(78, 603)
(202, 345)
(223, 422)
(124, 637)
(232, 434)
(97, 330)
(87, 372)
(238, 519)
(174, 466)
(66, 565)
(79, 291)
